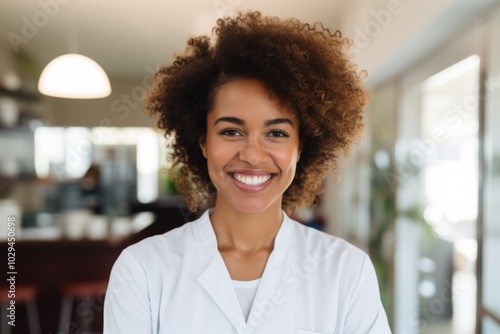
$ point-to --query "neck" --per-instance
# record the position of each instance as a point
(243, 232)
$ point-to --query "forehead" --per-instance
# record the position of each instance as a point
(250, 98)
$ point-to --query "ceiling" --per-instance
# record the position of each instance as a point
(128, 37)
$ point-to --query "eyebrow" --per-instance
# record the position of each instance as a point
(234, 120)
(239, 121)
(279, 121)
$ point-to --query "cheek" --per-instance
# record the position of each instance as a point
(291, 153)
(217, 157)
(287, 159)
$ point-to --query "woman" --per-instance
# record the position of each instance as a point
(259, 117)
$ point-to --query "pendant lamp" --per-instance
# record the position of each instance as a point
(74, 76)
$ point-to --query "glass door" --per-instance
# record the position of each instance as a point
(448, 147)
(437, 183)
(489, 238)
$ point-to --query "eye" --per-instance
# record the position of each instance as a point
(230, 132)
(278, 133)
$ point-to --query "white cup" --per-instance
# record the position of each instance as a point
(121, 226)
(75, 223)
(98, 228)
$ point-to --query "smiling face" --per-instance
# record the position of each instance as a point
(251, 146)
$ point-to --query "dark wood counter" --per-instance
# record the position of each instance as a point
(51, 264)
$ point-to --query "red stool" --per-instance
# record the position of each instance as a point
(24, 294)
(91, 300)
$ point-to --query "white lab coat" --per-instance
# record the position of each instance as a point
(178, 283)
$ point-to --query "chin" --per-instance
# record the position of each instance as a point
(253, 208)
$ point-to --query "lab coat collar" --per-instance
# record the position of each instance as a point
(216, 280)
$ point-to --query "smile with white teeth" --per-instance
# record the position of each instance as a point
(255, 180)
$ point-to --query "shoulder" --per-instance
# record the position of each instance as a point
(338, 259)
(313, 240)
(335, 263)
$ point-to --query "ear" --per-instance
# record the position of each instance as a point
(203, 145)
(301, 146)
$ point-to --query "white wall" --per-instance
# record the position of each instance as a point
(6, 61)
(122, 108)
(391, 35)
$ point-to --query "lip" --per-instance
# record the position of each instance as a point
(251, 172)
(249, 188)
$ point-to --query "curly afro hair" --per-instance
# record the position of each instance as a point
(305, 66)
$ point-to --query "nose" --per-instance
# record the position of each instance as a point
(253, 152)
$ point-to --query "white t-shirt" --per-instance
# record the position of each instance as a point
(245, 291)
(178, 283)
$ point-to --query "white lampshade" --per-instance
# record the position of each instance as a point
(74, 76)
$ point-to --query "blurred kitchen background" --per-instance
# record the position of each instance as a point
(421, 194)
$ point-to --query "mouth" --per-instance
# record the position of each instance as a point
(251, 180)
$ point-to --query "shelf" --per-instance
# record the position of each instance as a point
(19, 95)
(19, 178)
(16, 129)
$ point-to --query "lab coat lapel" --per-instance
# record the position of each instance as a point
(217, 283)
(215, 278)
(272, 274)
